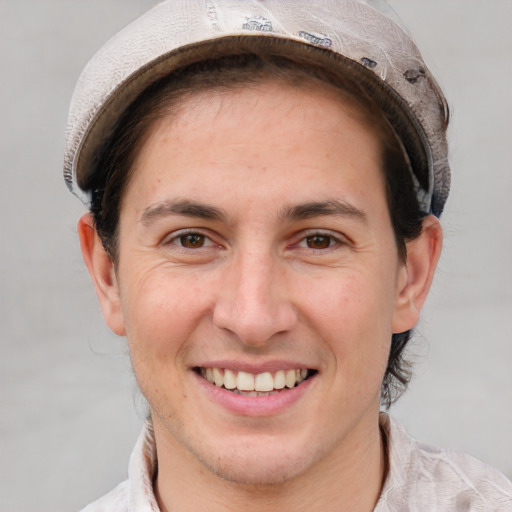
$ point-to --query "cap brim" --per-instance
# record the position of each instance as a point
(395, 109)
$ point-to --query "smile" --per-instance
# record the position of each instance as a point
(249, 384)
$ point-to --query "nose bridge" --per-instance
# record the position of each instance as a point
(254, 302)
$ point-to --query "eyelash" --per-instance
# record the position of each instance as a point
(177, 239)
(333, 241)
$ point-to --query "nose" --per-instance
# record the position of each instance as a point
(253, 302)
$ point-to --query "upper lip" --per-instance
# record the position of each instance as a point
(255, 368)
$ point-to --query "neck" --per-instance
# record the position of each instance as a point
(349, 479)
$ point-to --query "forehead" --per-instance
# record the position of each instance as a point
(300, 141)
(247, 89)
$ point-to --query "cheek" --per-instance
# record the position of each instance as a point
(161, 310)
(353, 315)
(350, 303)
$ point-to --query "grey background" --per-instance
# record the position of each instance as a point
(68, 412)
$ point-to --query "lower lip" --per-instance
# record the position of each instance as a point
(256, 405)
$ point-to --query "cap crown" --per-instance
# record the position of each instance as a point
(179, 32)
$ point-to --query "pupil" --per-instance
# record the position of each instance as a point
(192, 241)
(318, 241)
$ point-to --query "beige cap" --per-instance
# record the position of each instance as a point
(360, 37)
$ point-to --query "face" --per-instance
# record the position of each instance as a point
(259, 279)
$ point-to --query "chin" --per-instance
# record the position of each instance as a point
(256, 465)
(255, 472)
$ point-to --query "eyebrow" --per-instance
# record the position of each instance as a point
(188, 208)
(181, 207)
(335, 207)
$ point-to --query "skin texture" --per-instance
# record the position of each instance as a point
(253, 291)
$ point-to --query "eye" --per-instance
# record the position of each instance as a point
(319, 241)
(191, 240)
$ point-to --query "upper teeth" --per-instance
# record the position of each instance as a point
(243, 381)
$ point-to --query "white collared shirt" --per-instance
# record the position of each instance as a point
(421, 478)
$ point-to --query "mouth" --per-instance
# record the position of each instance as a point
(250, 384)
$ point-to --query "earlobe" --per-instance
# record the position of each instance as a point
(102, 271)
(417, 274)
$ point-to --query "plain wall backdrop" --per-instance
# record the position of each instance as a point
(69, 413)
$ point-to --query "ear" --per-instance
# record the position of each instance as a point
(101, 268)
(416, 274)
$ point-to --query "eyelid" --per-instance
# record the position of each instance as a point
(339, 239)
(175, 235)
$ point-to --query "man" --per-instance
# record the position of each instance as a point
(263, 230)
